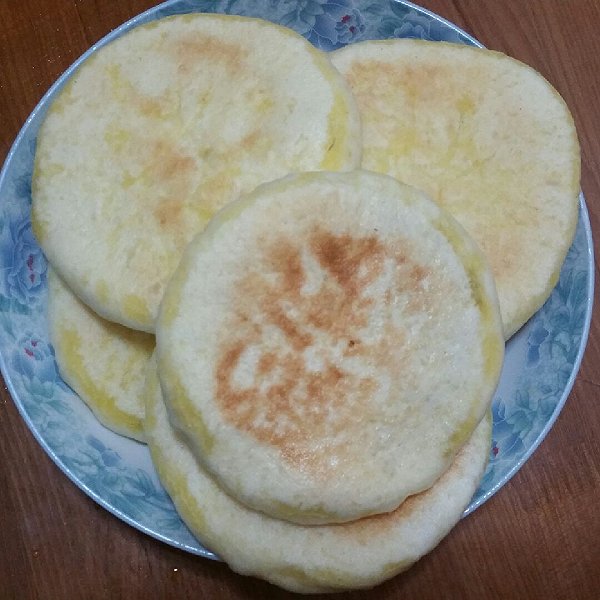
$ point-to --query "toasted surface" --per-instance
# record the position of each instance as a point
(489, 139)
(103, 362)
(328, 344)
(159, 129)
(310, 559)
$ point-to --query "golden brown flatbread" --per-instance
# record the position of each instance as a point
(489, 139)
(328, 344)
(159, 129)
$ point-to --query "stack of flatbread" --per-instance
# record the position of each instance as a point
(292, 274)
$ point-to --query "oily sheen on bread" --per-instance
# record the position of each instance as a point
(310, 559)
(328, 344)
(489, 139)
(103, 362)
(159, 129)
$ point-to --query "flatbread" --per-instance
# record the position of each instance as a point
(328, 344)
(328, 558)
(489, 139)
(159, 129)
(103, 362)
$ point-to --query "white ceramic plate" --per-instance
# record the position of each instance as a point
(541, 360)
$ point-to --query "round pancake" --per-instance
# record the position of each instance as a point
(159, 129)
(103, 362)
(328, 343)
(489, 139)
(324, 558)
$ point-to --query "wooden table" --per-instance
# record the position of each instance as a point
(538, 538)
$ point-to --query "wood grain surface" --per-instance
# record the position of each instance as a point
(539, 537)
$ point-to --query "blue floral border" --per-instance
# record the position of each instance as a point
(117, 472)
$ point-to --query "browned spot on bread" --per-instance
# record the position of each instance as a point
(150, 107)
(127, 93)
(192, 49)
(297, 338)
(374, 78)
(287, 262)
(354, 262)
(168, 213)
(301, 394)
(169, 170)
(286, 414)
(169, 163)
(250, 140)
(267, 363)
(417, 274)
